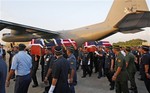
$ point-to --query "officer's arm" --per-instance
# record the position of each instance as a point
(146, 68)
(146, 71)
(112, 64)
(127, 60)
(48, 73)
(72, 75)
(127, 63)
(12, 70)
(117, 71)
(54, 82)
(11, 73)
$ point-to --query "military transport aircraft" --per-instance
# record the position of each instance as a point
(126, 16)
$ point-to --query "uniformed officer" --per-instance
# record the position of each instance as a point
(11, 54)
(72, 60)
(47, 59)
(21, 66)
(120, 76)
(3, 73)
(60, 73)
(101, 61)
(131, 68)
(109, 65)
(85, 59)
(145, 62)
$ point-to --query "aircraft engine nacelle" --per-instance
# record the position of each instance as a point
(8, 37)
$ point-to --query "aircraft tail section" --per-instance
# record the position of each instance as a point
(121, 8)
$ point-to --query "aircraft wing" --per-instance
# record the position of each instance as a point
(133, 22)
(19, 29)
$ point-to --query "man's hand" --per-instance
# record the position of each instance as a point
(7, 83)
(114, 78)
(46, 80)
(111, 69)
(71, 80)
(148, 75)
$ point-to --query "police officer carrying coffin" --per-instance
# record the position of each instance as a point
(60, 73)
(47, 59)
(120, 76)
(131, 68)
(85, 58)
(109, 65)
(145, 62)
(72, 60)
(100, 60)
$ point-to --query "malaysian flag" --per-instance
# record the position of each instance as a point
(103, 43)
(53, 42)
(89, 44)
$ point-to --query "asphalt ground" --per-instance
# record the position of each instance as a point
(85, 85)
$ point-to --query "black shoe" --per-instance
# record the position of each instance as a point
(45, 92)
(132, 88)
(34, 86)
(98, 77)
(90, 75)
(112, 88)
(140, 79)
(83, 76)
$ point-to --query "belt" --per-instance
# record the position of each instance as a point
(22, 75)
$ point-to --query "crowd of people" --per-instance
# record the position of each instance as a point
(59, 67)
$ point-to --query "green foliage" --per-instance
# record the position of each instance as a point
(133, 42)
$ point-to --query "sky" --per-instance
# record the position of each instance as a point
(59, 15)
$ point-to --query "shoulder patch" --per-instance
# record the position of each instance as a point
(119, 60)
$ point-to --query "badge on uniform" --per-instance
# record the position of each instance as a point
(119, 60)
(47, 59)
(71, 63)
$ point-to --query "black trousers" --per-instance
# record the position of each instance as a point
(96, 65)
(147, 84)
(86, 70)
(50, 82)
(101, 68)
(42, 72)
(109, 76)
(34, 70)
(22, 84)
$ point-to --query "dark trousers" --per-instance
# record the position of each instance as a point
(109, 76)
(147, 84)
(22, 83)
(42, 72)
(91, 66)
(132, 79)
(48, 87)
(86, 70)
(72, 89)
(122, 87)
(96, 66)
(100, 67)
(34, 78)
(75, 79)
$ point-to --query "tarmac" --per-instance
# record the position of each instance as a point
(85, 85)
